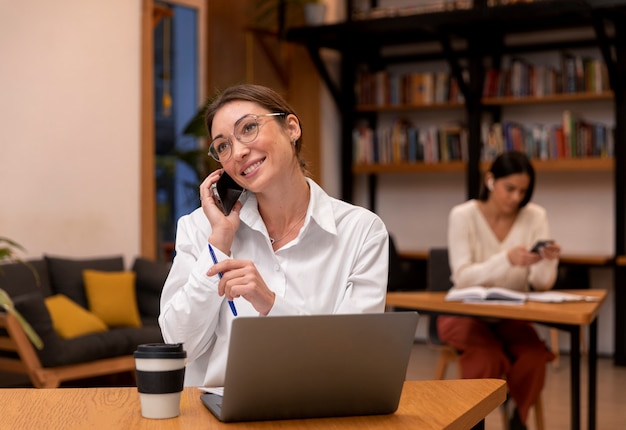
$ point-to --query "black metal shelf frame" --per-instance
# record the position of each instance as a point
(466, 39)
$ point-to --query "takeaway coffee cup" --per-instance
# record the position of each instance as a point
(160, 372)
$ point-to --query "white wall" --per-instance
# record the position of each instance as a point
(70, 126)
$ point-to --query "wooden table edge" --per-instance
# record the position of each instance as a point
(411, 300)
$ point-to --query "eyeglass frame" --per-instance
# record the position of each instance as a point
(213, 152)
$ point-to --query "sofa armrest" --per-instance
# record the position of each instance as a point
(17, 354)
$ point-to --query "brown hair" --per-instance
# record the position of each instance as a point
(265, 97)
(510, 163)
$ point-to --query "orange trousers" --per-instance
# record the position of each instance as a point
(508, 348)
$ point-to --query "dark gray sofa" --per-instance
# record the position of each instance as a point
(59, 275)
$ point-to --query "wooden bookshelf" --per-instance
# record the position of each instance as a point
(471, 41)
(559, 165)
(574, 164)
(552, 98)
(409, 107)
(417, 167)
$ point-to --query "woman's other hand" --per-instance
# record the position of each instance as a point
(520, 256)
(551, 251)
(240, 278)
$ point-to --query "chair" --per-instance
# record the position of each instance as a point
(399, 278)
(438, 277)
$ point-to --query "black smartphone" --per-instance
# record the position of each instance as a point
(540, 244)
(226, 192)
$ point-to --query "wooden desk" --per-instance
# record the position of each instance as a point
(564, 316)
(453, 404)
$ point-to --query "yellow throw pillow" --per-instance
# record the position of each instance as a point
(112, 297)
(70, 319)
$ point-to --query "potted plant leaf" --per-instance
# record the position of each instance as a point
(8, 252)
(282, 14)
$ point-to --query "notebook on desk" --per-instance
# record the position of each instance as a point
(293, 367)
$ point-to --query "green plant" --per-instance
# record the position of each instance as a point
(197, 159)
(8, 252)
(279, 14)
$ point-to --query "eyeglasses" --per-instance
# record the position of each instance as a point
(245, 131)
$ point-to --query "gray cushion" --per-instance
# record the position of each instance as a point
(150, 277)
(66, 275)
(23, 278)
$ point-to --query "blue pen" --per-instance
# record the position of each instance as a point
(230, 302)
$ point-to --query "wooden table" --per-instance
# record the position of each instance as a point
(452, 404)
(564, 316)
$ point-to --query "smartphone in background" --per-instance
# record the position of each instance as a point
(540, 244)
(226, 192)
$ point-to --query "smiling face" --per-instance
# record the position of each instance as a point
(509, 191)
(270, 155)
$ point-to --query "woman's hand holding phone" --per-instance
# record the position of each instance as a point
(223, 227)
(549, 250)
(226, 193)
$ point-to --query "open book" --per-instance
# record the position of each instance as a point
(484, 294)
(504, 295)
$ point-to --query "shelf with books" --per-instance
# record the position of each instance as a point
(528, 76)
(393, 87)
(403, 142)
(572, 138)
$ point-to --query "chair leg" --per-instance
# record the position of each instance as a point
(446, 355)
(442, 364)
(554, 342)
(505, 416)
(539, 413)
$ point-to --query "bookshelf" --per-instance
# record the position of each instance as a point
(469, 41)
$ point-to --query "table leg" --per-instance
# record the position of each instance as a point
(593, 373)
(575, 376)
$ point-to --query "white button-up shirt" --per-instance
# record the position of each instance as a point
(338, 263)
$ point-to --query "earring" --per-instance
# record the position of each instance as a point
(294, 142)
(490, 184)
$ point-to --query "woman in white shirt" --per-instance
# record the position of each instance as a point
(286, 248)
(489, 244)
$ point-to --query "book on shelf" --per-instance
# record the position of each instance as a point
(478, 294)
(402, 142)
(577, 74)
(573, 137)
(384, 88)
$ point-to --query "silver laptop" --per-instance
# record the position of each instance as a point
(293, 367)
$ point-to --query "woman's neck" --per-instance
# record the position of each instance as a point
(284, 206)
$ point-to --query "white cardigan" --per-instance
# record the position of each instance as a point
(478, 257)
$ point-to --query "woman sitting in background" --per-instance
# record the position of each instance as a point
(489, 243)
